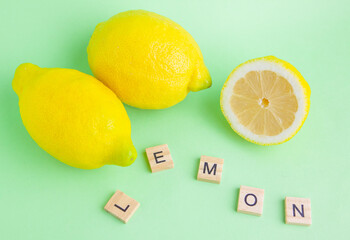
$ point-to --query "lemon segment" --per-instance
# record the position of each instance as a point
(265, 100)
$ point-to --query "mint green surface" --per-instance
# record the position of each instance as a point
(42, 198)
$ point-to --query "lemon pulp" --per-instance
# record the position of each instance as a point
(264, 102)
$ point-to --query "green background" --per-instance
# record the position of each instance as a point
(42, 198)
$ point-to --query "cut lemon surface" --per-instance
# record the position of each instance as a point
(265, 100)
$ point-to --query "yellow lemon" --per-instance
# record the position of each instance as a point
(148, 60)
(73, 117)
(266, 100)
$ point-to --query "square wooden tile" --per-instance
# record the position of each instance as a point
(298, 211)
(121, 206)
(251, 200)
(210, 169)
(159, 158)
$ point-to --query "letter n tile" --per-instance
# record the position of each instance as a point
(298, 211)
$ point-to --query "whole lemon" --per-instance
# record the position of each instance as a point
(73, 117)
(148, 60)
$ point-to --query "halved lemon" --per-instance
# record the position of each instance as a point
(265, 100)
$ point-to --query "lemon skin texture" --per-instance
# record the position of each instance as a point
(149, 61)
(306, 92)
(73, 117)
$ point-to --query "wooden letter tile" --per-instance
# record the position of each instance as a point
(298, 211)
(159, 158)
(122, 206)
(210, 169)
(251, 200)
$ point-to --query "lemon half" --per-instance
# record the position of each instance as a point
(265, 100)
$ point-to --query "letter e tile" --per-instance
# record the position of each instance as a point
(159, 158)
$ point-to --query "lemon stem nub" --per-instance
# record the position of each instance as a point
(23, 74)
(200, 80)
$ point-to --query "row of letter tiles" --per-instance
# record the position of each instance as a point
(297, 210)
(250, 200)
